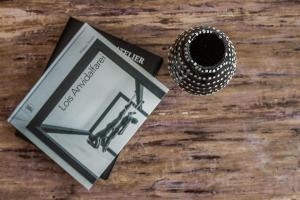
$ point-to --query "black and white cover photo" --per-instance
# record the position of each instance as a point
(87, 105)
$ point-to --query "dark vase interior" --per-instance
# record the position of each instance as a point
(207, 50)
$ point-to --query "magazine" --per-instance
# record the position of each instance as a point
(87, 105)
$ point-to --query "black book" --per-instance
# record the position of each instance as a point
(149, 61)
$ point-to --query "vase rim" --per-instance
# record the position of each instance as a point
(196, 33)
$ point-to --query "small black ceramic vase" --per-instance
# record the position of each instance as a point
(202, 60)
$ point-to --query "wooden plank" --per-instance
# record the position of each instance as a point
(241, 143)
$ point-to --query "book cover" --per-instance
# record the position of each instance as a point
(145, 59)
(87, 105)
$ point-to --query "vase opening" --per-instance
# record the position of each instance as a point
(207, 50)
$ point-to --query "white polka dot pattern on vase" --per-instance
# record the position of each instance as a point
(202, 60)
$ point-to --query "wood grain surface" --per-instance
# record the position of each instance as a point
(241, 143)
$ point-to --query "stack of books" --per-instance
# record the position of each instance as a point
(95, 93)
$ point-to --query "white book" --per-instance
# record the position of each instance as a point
(87, 105)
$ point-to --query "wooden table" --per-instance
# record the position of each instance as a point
(241, 143)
